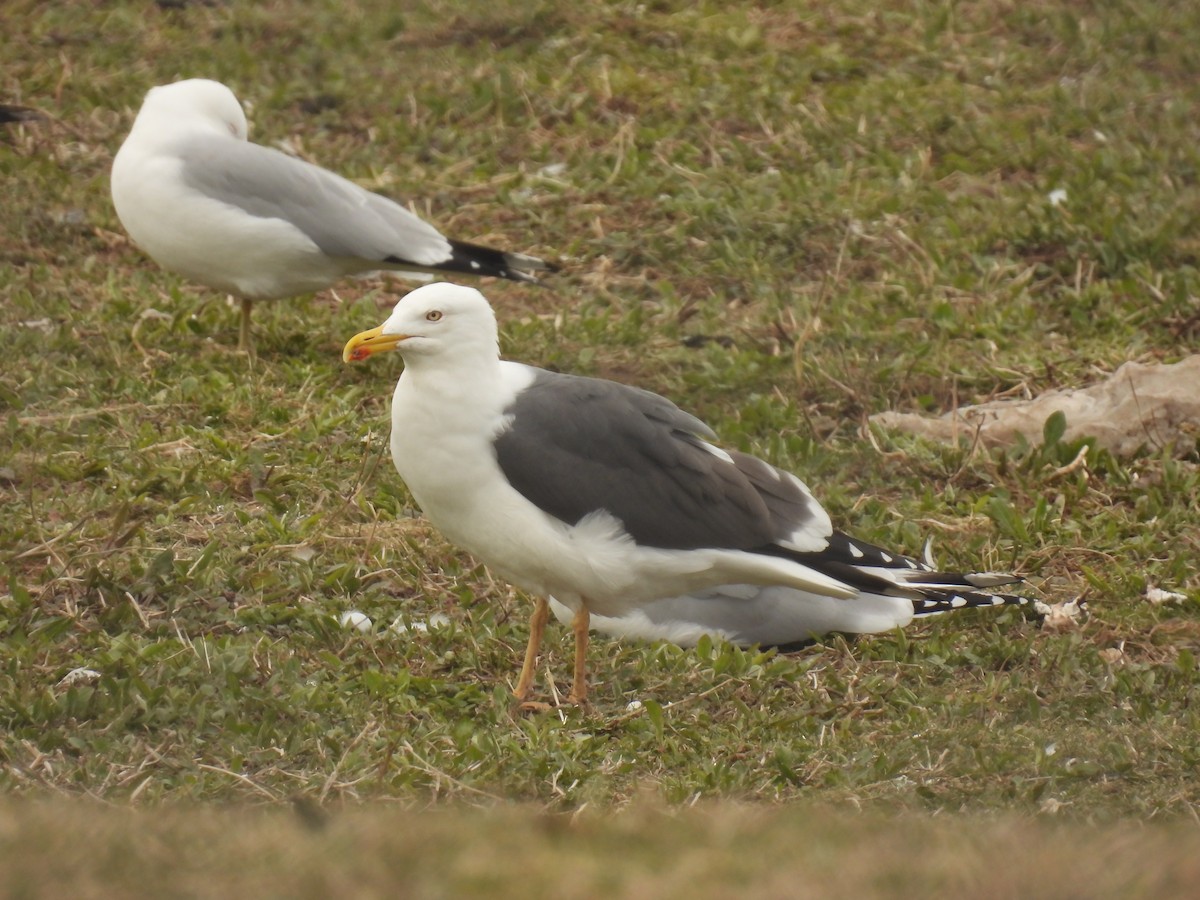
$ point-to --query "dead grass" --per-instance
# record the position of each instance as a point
(81, 850)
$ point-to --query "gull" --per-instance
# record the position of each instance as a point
(618, 505)
(203, 201)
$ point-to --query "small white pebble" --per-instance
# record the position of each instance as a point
(633, 706)
(400, 627)
(552, 171)
(437, 620)
(1057, 197)
(1158, 596)
(355, 619)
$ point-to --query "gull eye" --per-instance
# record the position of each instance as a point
(433, 315)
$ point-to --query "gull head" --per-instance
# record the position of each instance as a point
(194, 102)
(439, 319)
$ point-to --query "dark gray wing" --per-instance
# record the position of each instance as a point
(577, 445)
(341, 218)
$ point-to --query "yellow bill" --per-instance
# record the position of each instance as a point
(366, 343)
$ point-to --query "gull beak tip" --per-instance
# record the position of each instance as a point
(365, 343)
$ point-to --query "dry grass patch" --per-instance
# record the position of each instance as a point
(56, 850)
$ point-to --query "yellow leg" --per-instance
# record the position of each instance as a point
(537, 627)
(245, 341)
(579, 625)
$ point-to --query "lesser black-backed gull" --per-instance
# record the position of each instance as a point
(613, 501)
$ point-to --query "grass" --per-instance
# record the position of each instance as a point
(647, 851)
(785, 218)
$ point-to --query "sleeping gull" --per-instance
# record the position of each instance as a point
(612, 500)
(203, 201)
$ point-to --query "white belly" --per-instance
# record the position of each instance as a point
(213, 243)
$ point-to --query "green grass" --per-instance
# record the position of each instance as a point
(784, 217)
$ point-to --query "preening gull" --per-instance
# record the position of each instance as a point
(613, 501)
(203, 201)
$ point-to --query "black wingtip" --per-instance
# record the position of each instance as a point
(934, 602)
(474, 259)
(477, 260)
